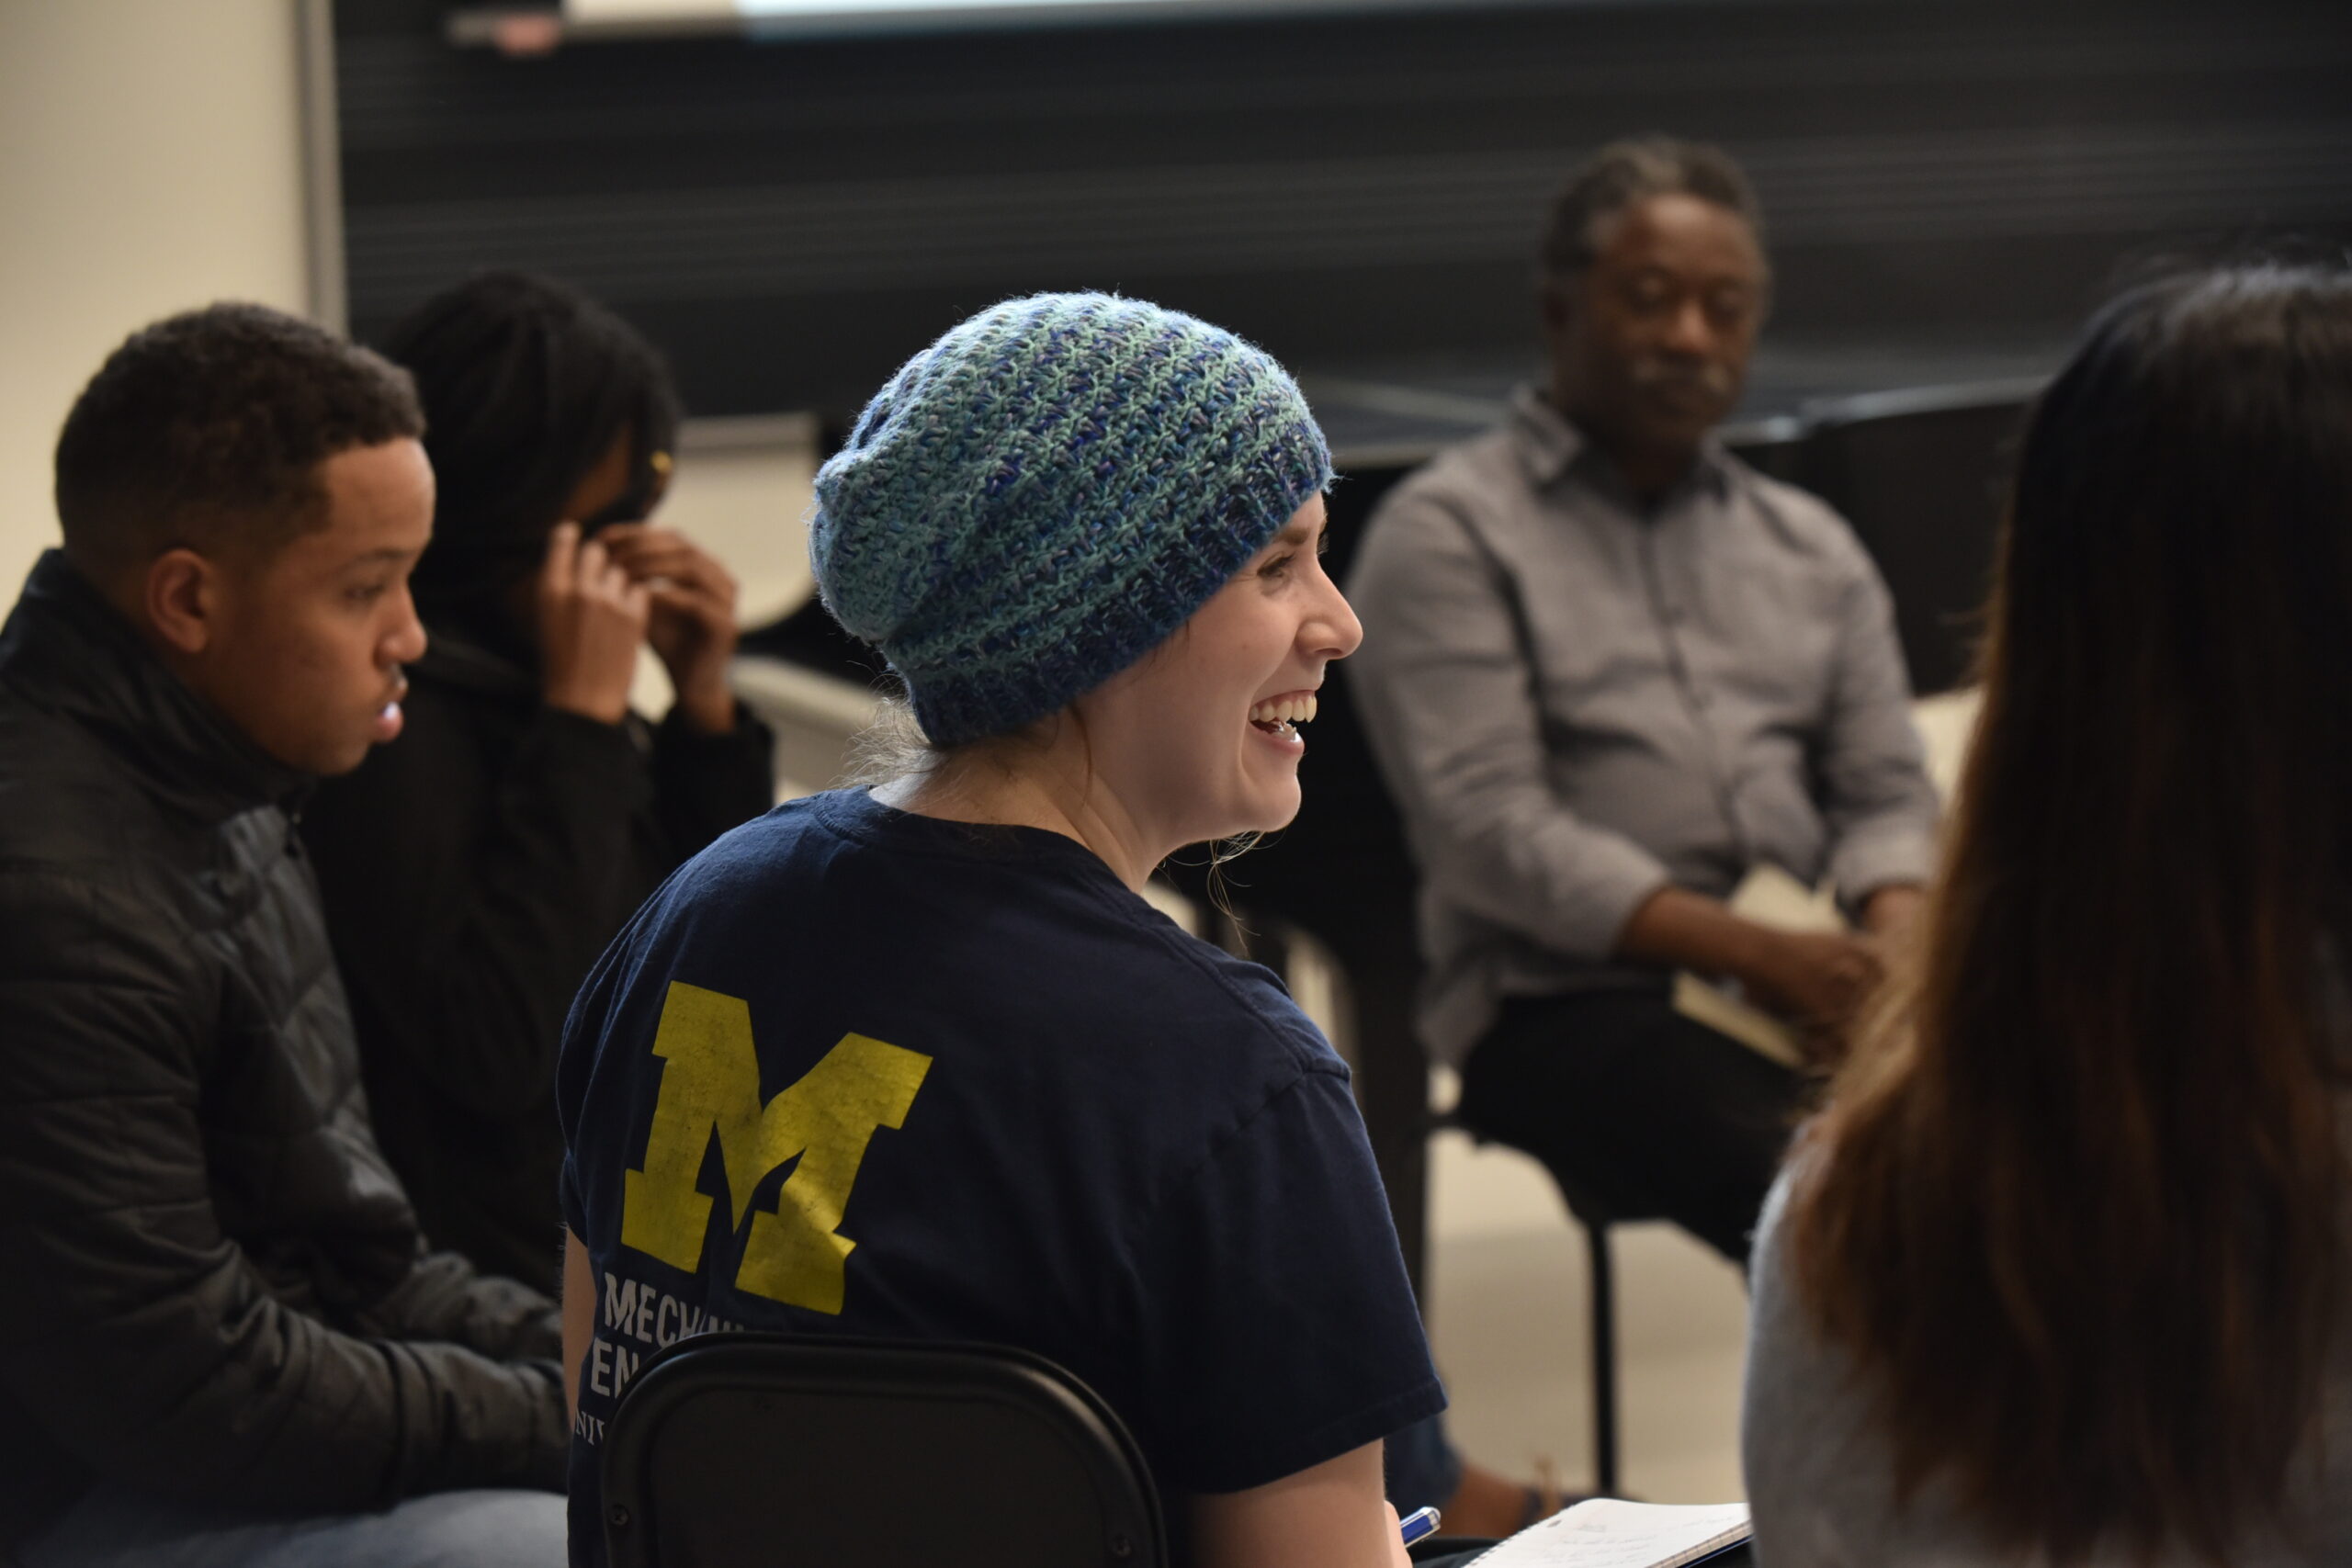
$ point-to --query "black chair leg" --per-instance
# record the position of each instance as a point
(1604, 1361)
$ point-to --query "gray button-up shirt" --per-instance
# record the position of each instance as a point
(1577, 703)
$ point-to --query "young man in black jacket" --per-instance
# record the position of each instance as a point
(225, 1339)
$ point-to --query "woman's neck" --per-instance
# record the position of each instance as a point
(1043, 787)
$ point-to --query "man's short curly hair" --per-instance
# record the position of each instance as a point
(207, 430)
(1636, 170)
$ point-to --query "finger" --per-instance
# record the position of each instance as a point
(642, 544)
(599, 573)
(615, 580)
(645, 569)
(689, 602)
(665, 583)
(711, 600)
(674, 560)
(653, 540)
(638, 529)
(1397, 1553)
(555, 573)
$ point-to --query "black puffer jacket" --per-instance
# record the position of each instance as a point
(216, 1287)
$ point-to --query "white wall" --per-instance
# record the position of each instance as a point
(150, 160)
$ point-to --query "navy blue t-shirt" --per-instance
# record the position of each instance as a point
(857, 1071)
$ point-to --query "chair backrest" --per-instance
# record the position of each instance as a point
(747, 1449)
(1921, 475)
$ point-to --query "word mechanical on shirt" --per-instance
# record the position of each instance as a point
(710, 1088)
(655, 1319)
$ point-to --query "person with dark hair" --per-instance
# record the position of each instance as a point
(473, 872)
(2060, 1273)
(226, 1340)
(1609, 671)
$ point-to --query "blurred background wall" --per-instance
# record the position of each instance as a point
(150, 160)
(1948, 183)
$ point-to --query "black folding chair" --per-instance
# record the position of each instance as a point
(743, 1451)
(1594, 1218)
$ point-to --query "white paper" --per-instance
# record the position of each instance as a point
(1606, 1532)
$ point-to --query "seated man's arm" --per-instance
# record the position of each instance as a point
(1881, 812)
(1333, 1515)
(1814, 977)
(137, 1336)
(1876, 798)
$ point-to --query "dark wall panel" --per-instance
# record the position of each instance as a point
(790, 220)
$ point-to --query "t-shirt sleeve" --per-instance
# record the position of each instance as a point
(575, 1069)
(574, 1212)
(1278, 1329)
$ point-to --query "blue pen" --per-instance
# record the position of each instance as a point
(1420, 1522)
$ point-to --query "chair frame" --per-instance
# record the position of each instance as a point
(674, 1377)
(1594, 1220)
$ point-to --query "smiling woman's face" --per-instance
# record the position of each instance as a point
(1192, 739)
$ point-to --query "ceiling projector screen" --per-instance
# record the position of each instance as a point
(786, 18)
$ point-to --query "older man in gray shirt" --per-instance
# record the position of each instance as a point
(1608, 669)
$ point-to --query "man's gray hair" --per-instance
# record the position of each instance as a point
(1632, 171)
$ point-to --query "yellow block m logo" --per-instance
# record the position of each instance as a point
(712, 1087)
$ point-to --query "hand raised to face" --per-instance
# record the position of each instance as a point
(691, 626)
(592, 615)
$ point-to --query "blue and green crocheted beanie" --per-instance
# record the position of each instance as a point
(1042, 496)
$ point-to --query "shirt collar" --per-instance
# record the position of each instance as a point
(1549, 445)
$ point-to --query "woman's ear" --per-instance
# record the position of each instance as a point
(181, 600)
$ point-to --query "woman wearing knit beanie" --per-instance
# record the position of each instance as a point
(1027, 1109)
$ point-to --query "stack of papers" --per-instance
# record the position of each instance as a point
(1606, 1532)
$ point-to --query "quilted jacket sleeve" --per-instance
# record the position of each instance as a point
(138, 1336)
(445, 1297)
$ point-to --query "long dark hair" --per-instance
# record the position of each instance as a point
(2074, 1202)
(526, 384)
